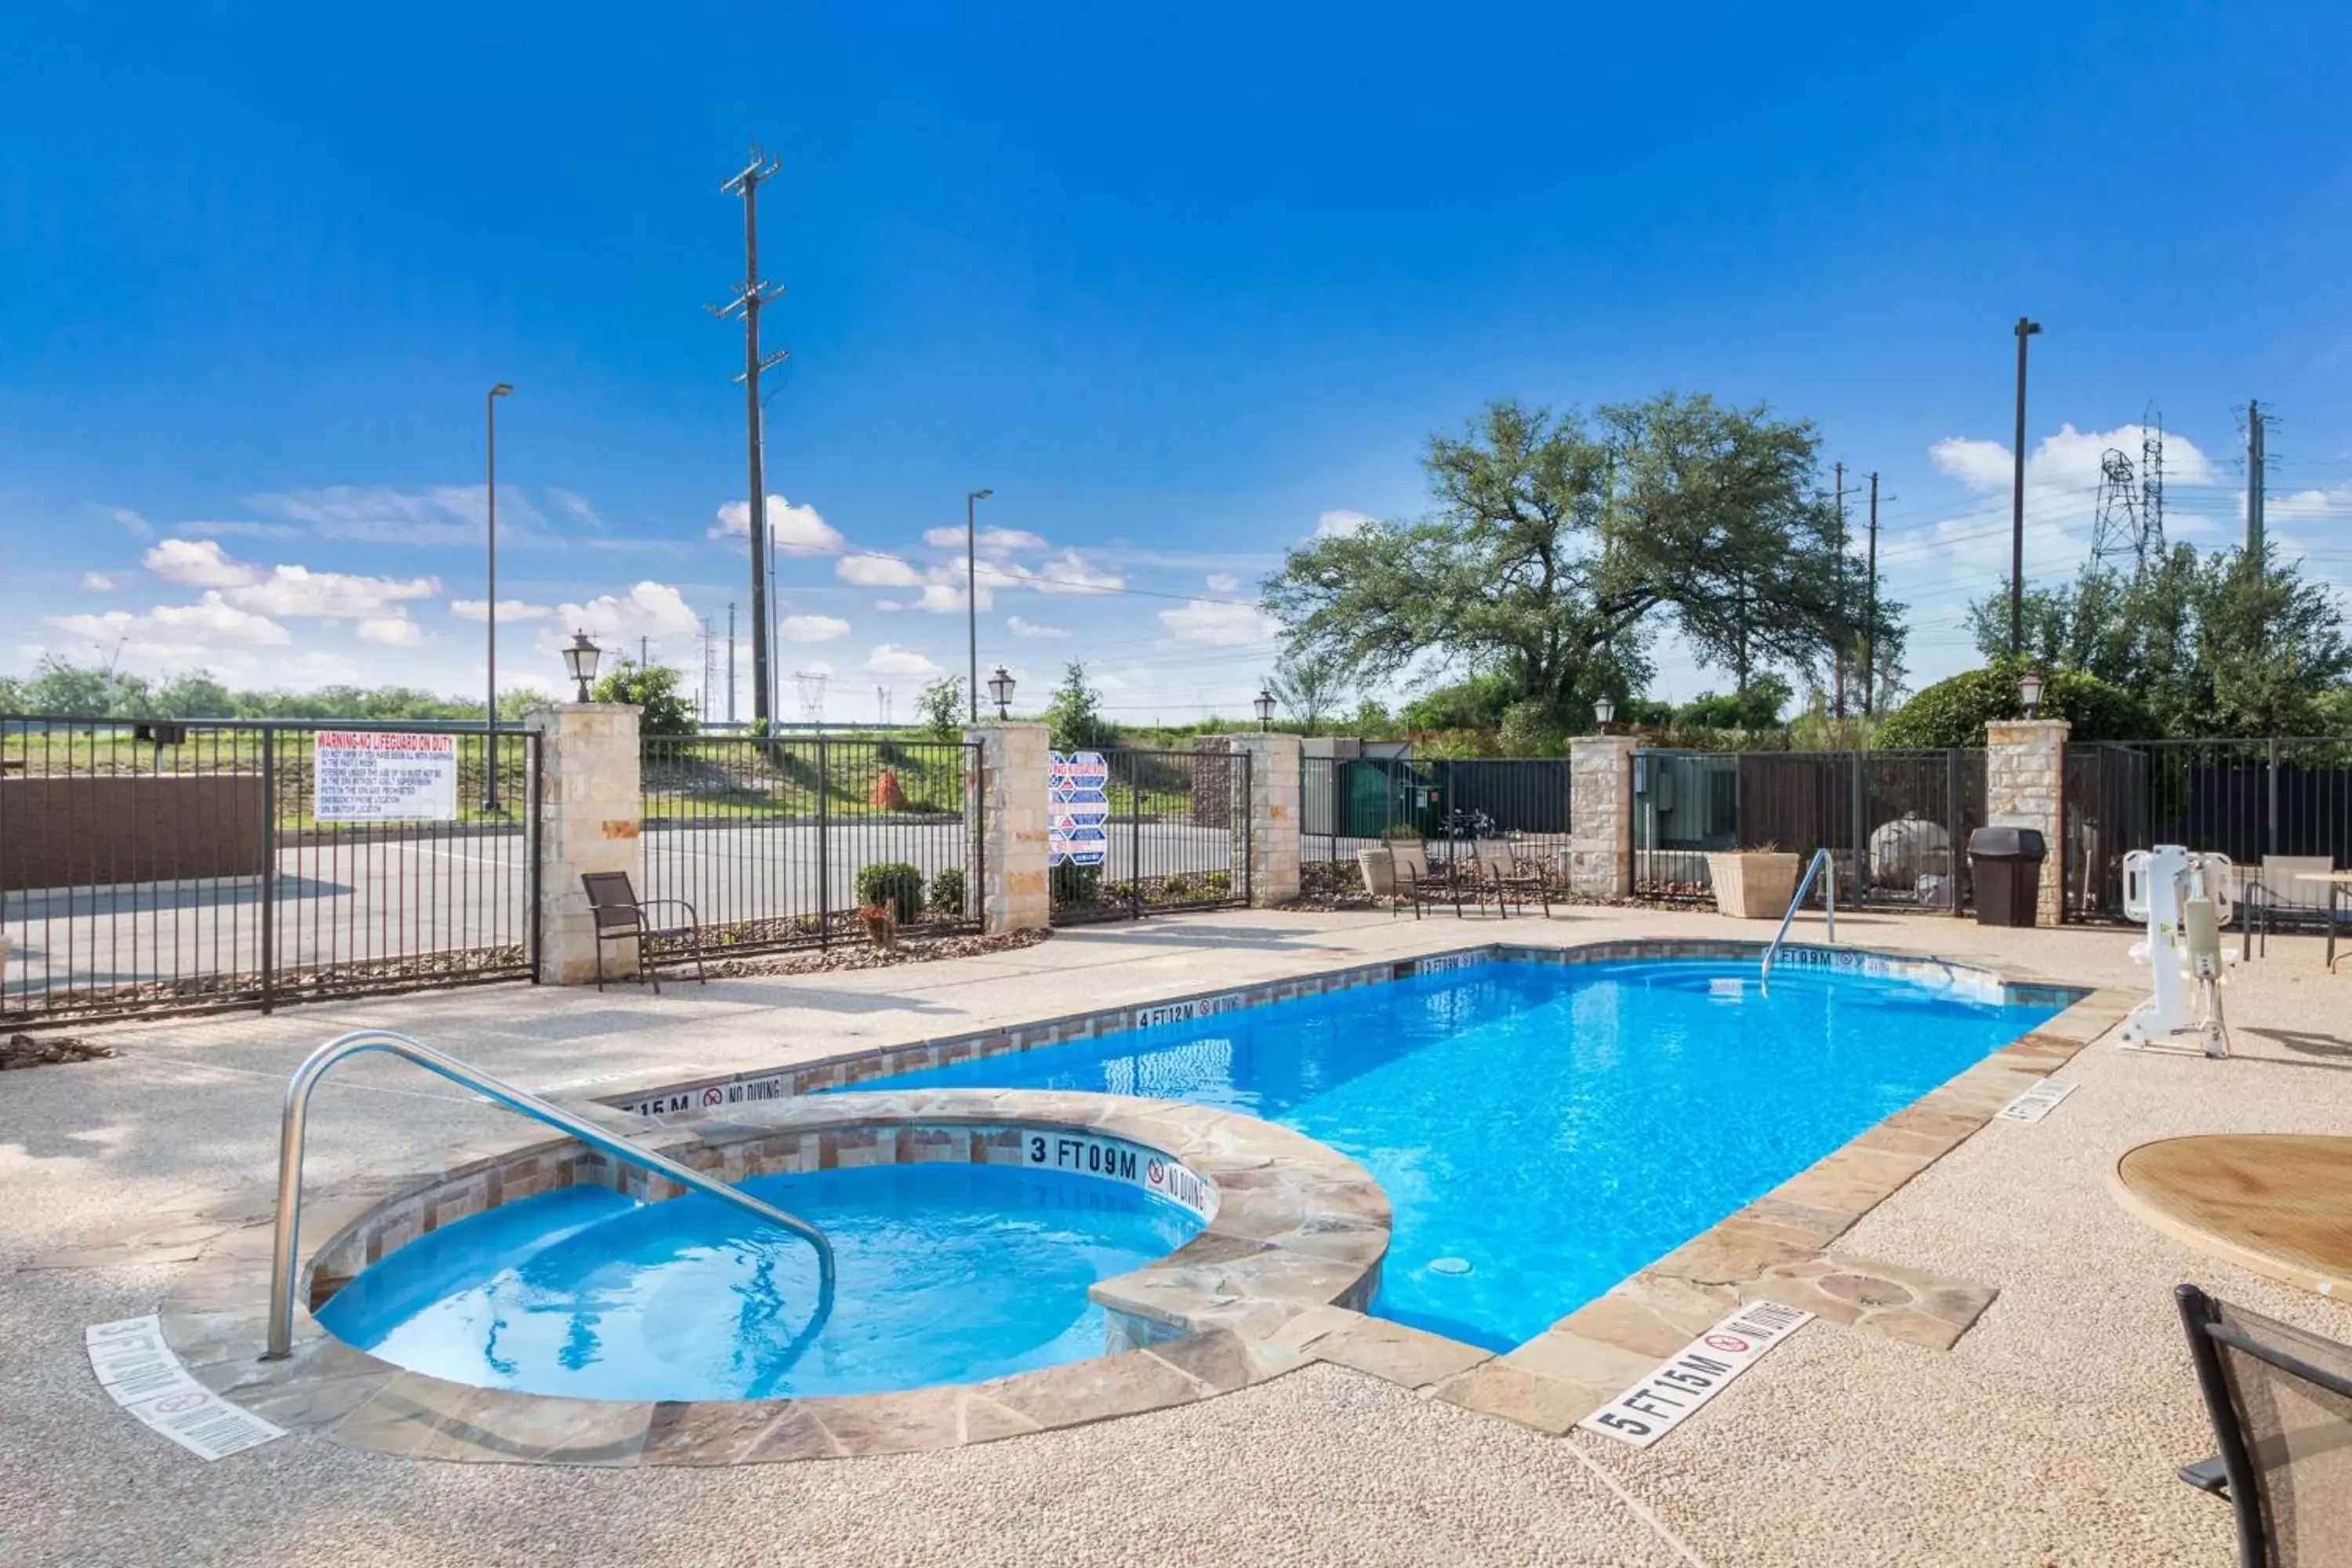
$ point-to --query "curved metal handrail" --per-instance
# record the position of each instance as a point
(499, 1092)
(1805, 885)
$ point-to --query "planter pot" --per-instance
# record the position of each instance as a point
(1753, 886)
(1379, 867)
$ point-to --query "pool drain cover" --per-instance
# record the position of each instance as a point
(1449, 1266)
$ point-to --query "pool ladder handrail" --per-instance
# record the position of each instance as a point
(1804, 885)
(499, 1092)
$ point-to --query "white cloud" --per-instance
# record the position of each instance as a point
(97, 583)
(391, 631)
(1069, 572)
(331, 595)
(256, 530)
(888, 605)
(796, 529)
(577, 506)
(1213, 624)
(2068, 459)
(1339, 523)
(877, 571)
(133, 523)
(940, 598)
(509, 610)
(995, 541)
(379, 514)
(648, 610)
(889, 659)
(1223, 583)
(211, 620)
(1021, 629)
(813, 629)
(198, 563)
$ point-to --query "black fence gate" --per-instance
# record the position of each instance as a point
(1178, 837)
(1896, 822)
(1351, 804)
(149, 865)
(2244, 798)
(778, 841)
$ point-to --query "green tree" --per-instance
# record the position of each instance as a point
(942, 705)
(1074, 715)
(1954, 712)
(196, 694)
(1308, 688)
(1557, 547)
(2221, 644)
(652, 689)
(1758, 706)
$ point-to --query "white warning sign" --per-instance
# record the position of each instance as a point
(383, 775)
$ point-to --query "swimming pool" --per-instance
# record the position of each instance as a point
(1544, 1130)
(946, 1273)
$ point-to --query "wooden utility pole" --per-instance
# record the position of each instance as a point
(1837, 680)
(747, 302)
(1870, 625)
(2253, 478)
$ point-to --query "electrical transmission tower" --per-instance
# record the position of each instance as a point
(2151, 482)
(811, 692)
(2116, 527)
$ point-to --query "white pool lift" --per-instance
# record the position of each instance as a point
(2186, 899)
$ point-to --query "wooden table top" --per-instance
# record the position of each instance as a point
(2279, 1204)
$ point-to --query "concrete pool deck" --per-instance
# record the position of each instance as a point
(2047, 1433)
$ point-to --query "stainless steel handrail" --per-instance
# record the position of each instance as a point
(1805, 885)
(499, 1092)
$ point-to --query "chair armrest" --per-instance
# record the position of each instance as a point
(2207, 1476)
(644, 904)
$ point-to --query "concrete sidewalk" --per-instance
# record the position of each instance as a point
(2048, 1434)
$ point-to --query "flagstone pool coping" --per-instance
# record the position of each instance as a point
(1278, 1278)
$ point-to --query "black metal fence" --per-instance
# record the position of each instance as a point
(152, 865)
(1350, 803)
(1178, 837)
(779, 841)
(2245, 798)
(1896, 823)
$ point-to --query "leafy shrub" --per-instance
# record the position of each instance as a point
(1074, 884)
(947, 893)
(1217, 884)
(1953, 712)
(892, 883)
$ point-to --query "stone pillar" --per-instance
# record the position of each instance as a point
(589, 802)
(1014, 894)
(2025, 786)
(1273, 817)
(1600, 816)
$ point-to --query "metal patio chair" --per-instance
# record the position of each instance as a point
(2280, 1401)
(2277, 899)
(621, 916)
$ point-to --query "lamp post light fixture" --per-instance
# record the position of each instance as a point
(1264, 706)
(972, 597)
(490, 614)
(1604, 709)
(1000, 692)
(581, 658)
(2028, 688)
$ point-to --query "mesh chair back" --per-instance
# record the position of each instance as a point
(2286, 1430)
(2281, 890)
(610, 899)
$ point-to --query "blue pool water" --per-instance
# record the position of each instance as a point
(1542, 1130)
(1554, 1127)
(946, 1274)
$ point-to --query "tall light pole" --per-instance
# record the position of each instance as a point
(972, 593)
(2025, 329)
(490, 615)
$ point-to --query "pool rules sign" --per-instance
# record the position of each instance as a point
(1077, 810)
(382, 775)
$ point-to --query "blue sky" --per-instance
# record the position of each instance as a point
(1179, 286)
